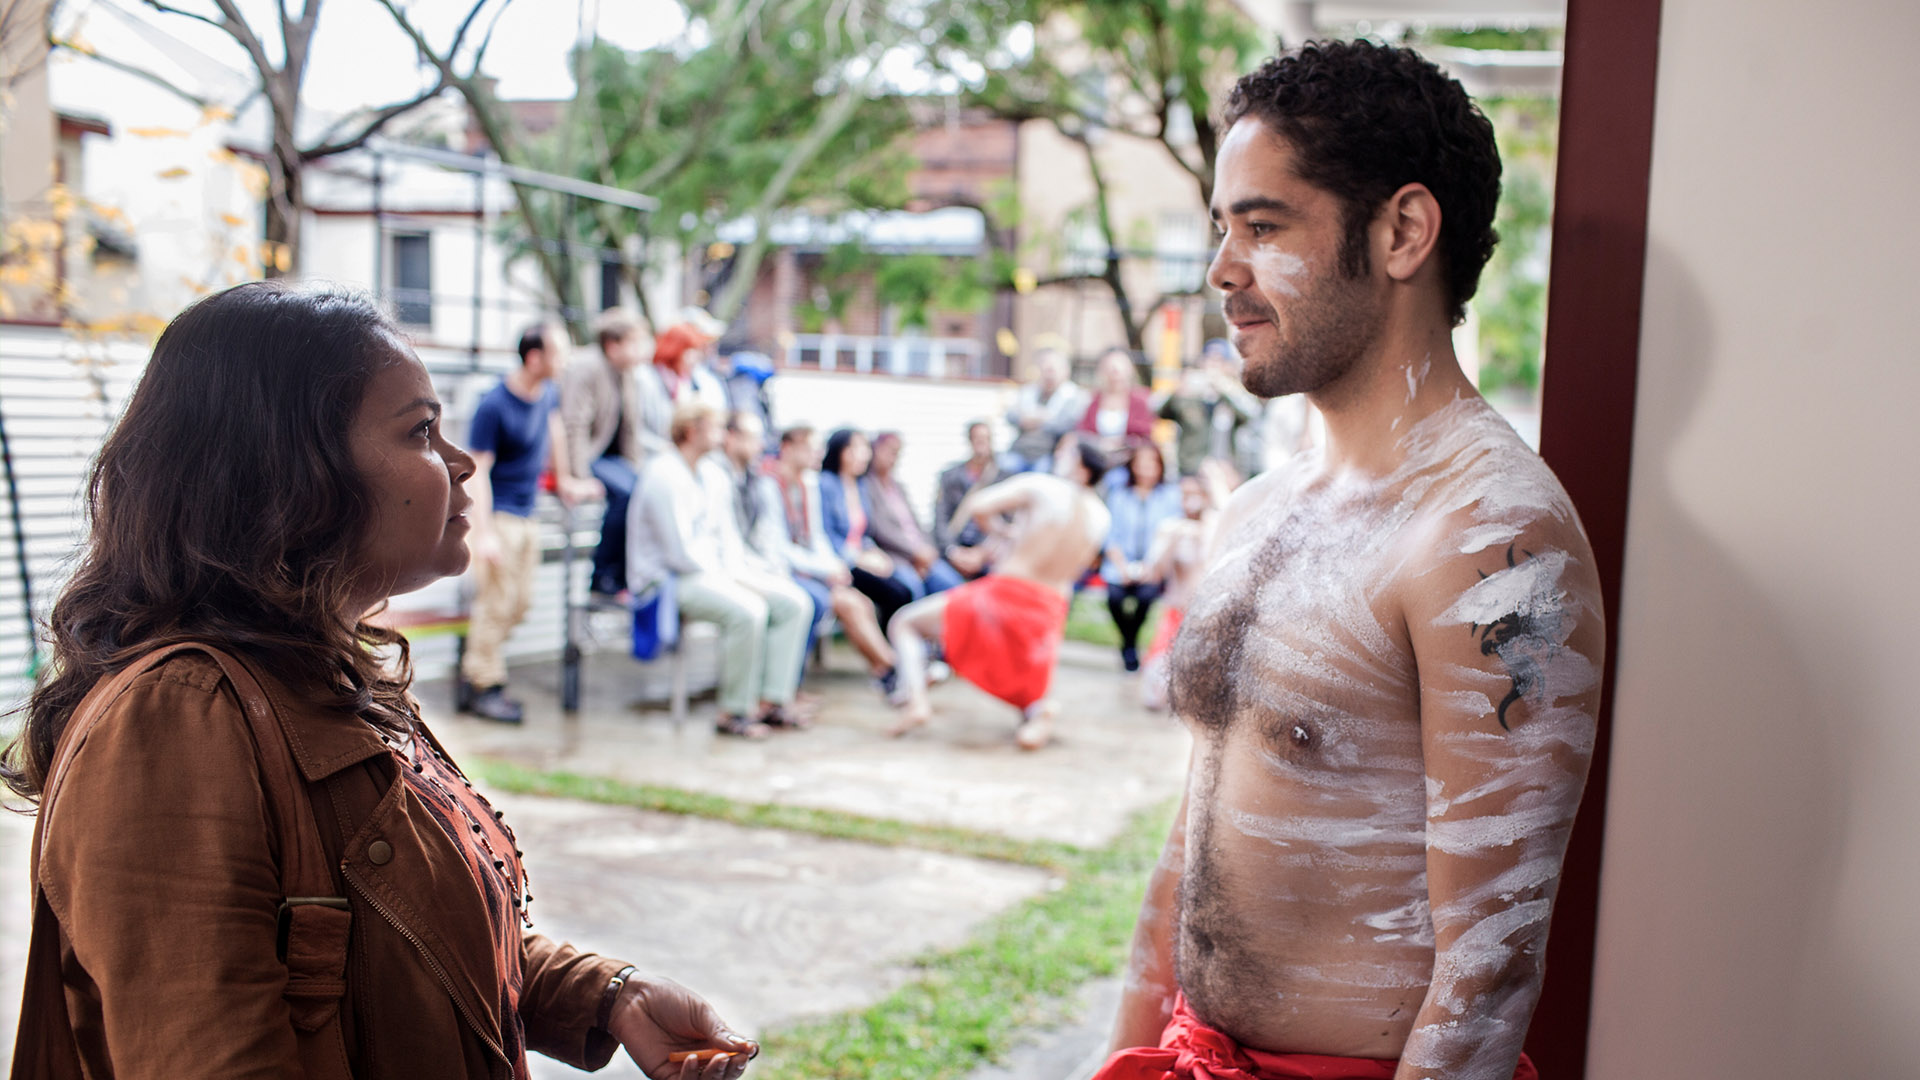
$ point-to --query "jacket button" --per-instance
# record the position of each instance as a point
(379, 853)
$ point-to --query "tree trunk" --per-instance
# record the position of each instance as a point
(282, 216)
(740, 285)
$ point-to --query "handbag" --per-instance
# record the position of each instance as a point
(313, 924)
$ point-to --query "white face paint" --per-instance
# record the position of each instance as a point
(1325, 785)
(1281, 273)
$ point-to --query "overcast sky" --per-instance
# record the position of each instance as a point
(360, 58)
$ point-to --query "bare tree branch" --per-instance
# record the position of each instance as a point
(171, 10)
(373, 125)
(137, 72)
(493, 24)
(460, 34)
(235, 24)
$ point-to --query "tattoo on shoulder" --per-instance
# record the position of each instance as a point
(1498, 637)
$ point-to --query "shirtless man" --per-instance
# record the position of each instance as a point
(1391, 669)
(1178, 560)
(1002, 631)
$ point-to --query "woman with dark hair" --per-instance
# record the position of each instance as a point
(1139, 507)
(251, 857)
(845, 513)
(1121, 412)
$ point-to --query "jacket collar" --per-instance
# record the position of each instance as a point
(323, 741)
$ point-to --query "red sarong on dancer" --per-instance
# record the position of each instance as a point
(1190, 1050)
(1002, 634)
(1170, 620)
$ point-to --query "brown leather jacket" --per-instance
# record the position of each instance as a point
(161, 865)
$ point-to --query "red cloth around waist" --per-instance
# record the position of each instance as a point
(1002, 634)
(1190, 1050)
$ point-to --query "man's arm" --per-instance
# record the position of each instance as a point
(482, 541)
(1146, 998)
(576, 417)
(1508, 644)
(567, 484)
(983, 504)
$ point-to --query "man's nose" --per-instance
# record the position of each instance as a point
(1226, 272)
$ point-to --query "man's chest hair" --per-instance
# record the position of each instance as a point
(1295, 625)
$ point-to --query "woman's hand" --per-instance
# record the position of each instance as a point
(875, 562)
(657, 1019)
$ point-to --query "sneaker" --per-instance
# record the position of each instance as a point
(938, 672)
(463, 695)
(494, 704)
(1130, 657)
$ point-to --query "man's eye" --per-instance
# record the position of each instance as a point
(1260, 228)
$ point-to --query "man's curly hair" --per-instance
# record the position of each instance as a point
(1364, 120)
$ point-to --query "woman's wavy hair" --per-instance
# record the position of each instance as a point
(837, 444)
(225, 507)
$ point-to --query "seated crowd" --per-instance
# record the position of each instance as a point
(777, 540)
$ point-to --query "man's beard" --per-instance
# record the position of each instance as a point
(1329, 329)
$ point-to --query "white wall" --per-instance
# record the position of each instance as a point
(1761, 885)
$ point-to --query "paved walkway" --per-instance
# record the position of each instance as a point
(773, 925)
(1110, 757)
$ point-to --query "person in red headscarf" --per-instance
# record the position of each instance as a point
(678, 376)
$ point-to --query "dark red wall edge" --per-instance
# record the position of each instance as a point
(1586, 426)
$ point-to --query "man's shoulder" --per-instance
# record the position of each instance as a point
(1489, 493)
(1483, 474)
(498, 397)
(587, 373)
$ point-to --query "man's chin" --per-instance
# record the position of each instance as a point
(1268, 377)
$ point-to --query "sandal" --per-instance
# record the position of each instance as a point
(742, 726)
(779, 716)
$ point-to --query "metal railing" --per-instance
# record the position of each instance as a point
(952, 358)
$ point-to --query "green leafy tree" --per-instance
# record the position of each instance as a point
(765, 106)
(1512, 301)
(1150, 69)
(1511, 304)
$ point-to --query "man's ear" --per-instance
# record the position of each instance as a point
(1411, 217)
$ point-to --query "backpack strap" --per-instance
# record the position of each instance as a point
(314, 923)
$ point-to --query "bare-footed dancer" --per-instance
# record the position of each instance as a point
(1002, 632)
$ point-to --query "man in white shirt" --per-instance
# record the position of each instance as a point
(682, 526)
(1046, 407)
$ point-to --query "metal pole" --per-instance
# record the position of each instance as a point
(379, 233)
(570, 640)
(20, 549)
(479, 245)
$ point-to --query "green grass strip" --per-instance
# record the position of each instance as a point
(965, 1005)
(836, 824)
(1089, 620)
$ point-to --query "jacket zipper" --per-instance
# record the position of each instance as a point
(445, 982)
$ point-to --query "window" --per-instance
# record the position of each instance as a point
(1181, 250)
(413, 279)
(609, 284)
(1086, 246)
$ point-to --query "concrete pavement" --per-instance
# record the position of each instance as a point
(774, 926)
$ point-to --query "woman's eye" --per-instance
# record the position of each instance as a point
(422, 430)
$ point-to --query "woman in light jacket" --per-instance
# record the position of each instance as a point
(845, 514)
(279, 472)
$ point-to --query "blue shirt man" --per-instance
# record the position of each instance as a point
(515, 433)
